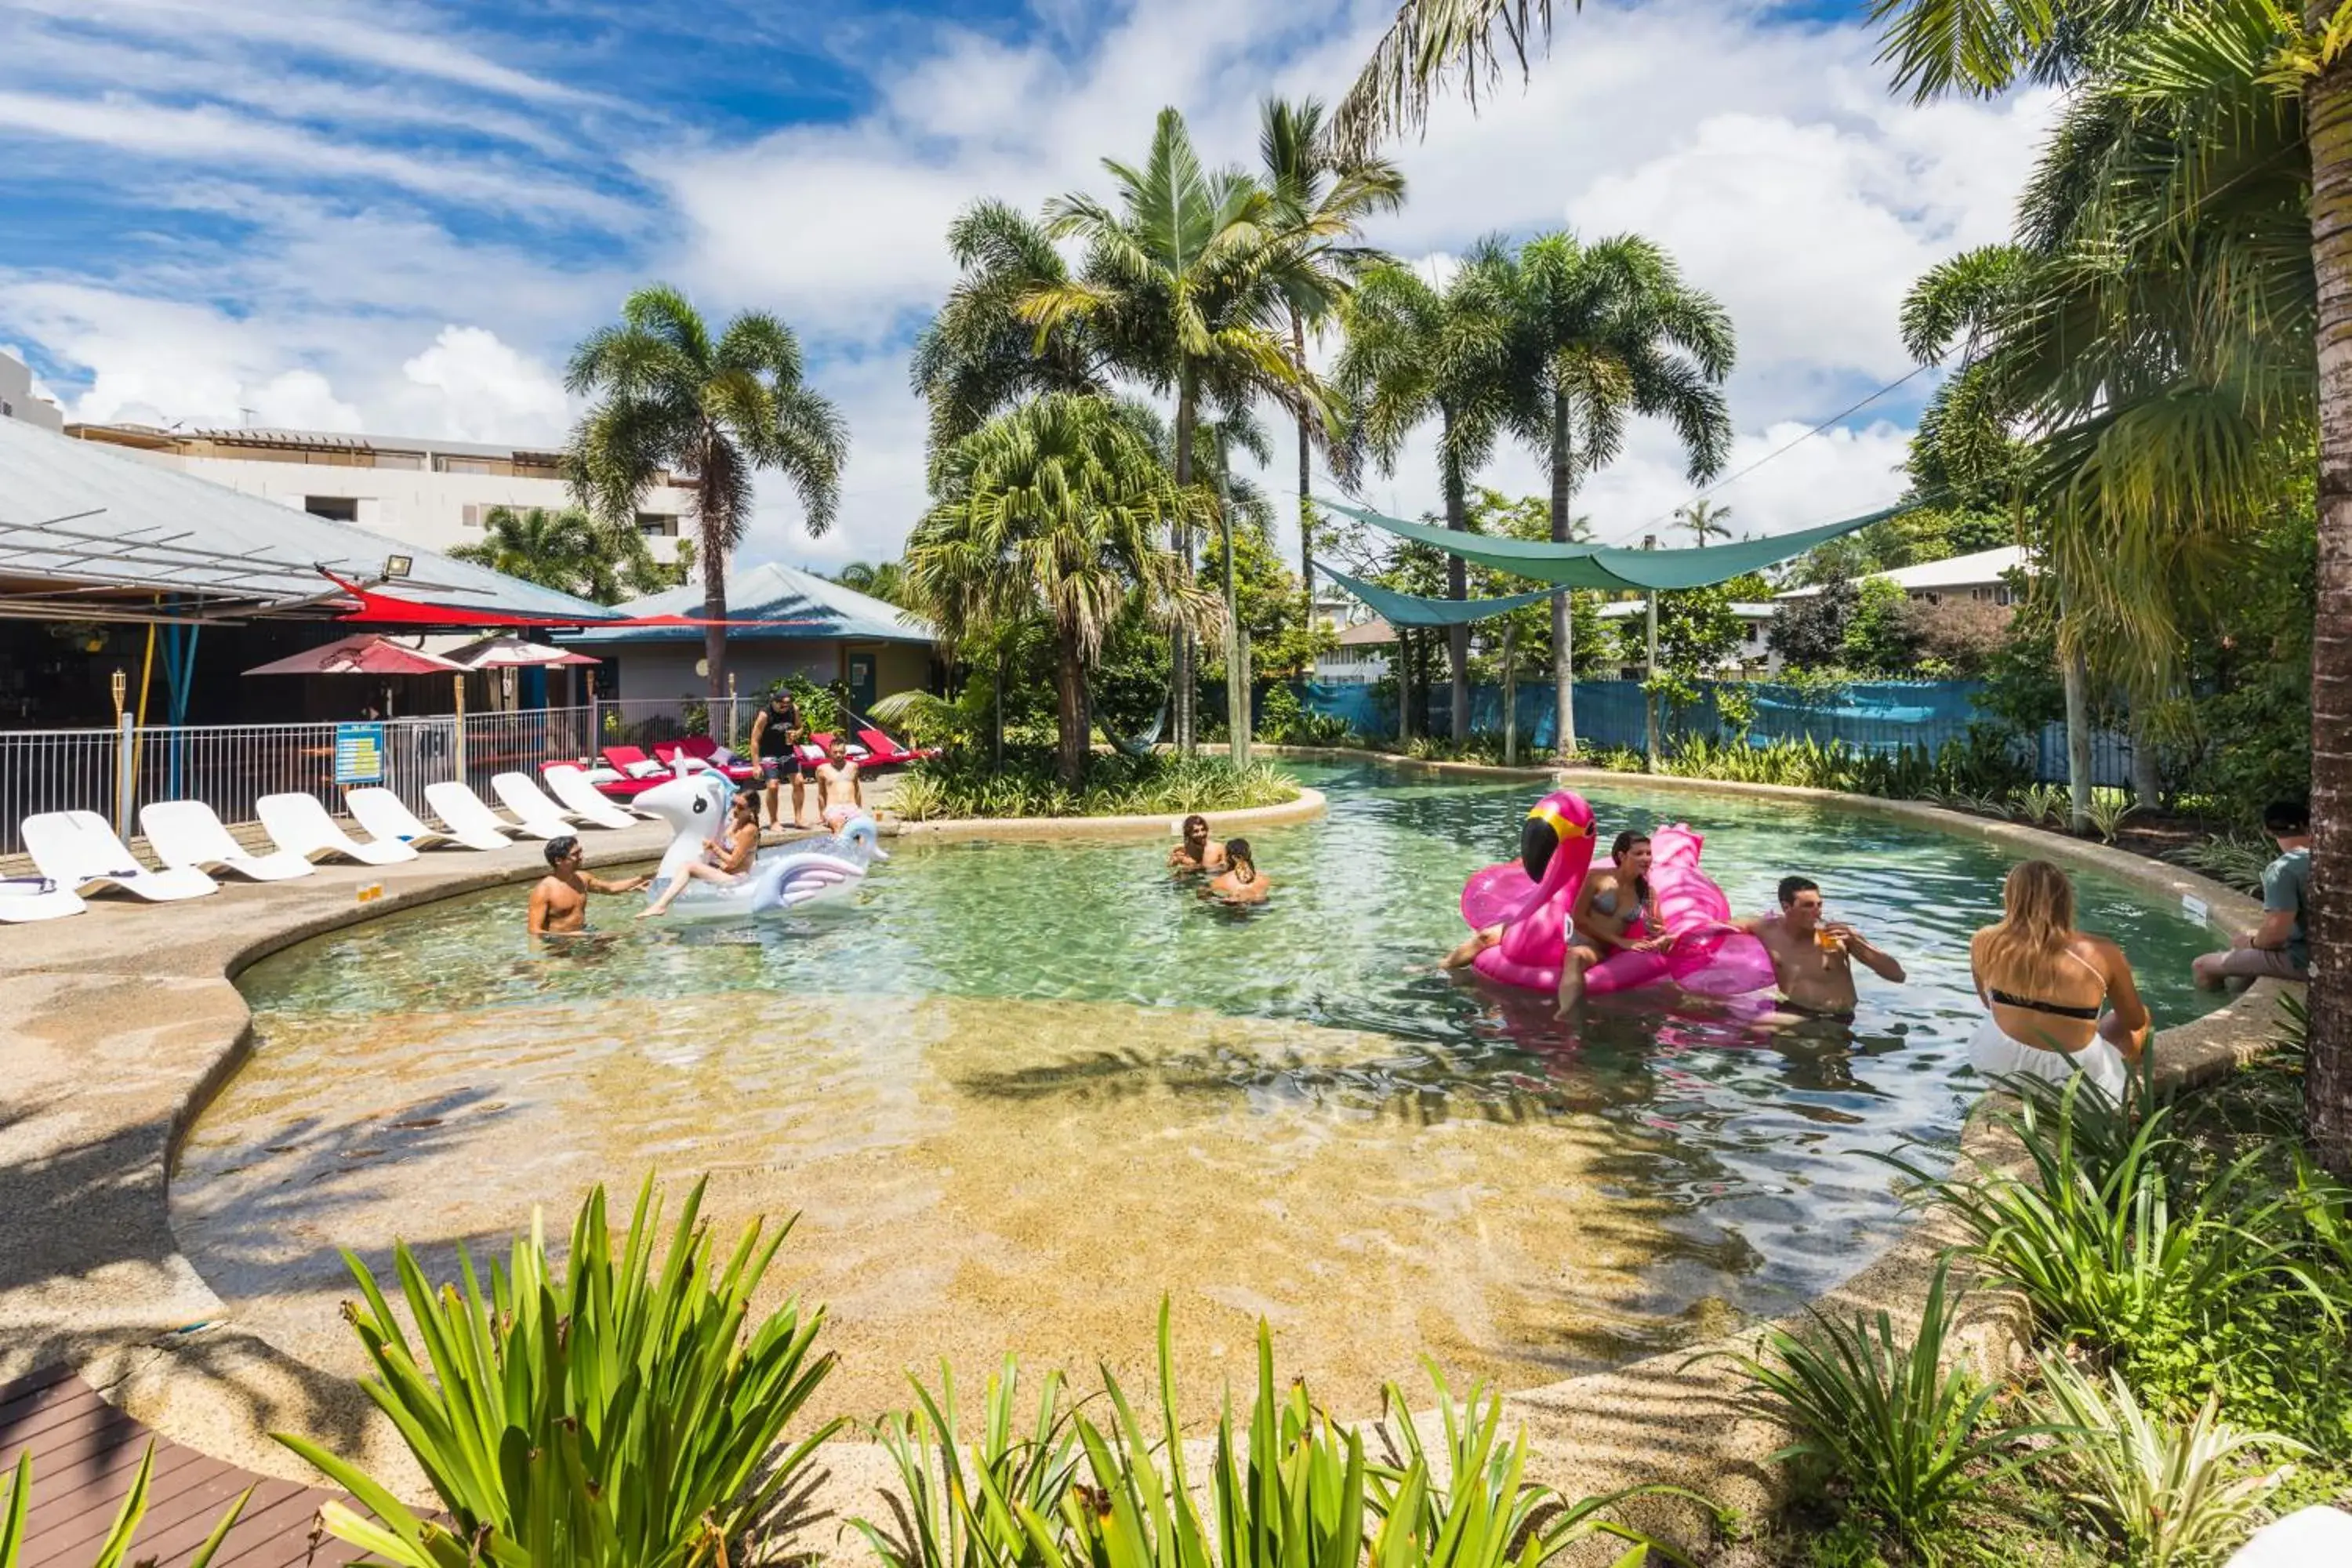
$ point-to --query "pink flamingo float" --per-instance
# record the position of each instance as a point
(1532, 898)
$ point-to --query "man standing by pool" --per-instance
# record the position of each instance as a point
(1812, 959)
(775, 733)
(2276, 949)
(559, 905)
(837, 779)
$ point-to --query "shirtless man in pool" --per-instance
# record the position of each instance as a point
(559, 905)
(1812, 959)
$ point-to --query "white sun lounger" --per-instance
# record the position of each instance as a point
(387, 817)
(540, 817)
(78, 851)
(189, 833)
(25, 900)
(299, 824)
(581, 798)
(465, 815)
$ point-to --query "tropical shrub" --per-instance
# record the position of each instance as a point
(2176, 1495)
(616, 1414)
(2234, 859)
(1887, 1423)
(1292, 1488)
(960, 1509)
(1116, 786)
(115, 1546)
(1284, 720)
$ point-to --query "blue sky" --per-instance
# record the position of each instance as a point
(399, 217)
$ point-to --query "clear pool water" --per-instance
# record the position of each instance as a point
(1018, 1092)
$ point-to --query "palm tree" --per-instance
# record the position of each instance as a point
(672, 400)
(1179, 282)
(883, 580)
(1055, 509)
(1424, 47)
(1704, 520)
(1415, 351)
(569, 551)
(1320, 201)
(977, 357)
(1601, 332)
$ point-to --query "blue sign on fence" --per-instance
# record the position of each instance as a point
(359, 753)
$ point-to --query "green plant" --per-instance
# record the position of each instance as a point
(115, 1546)
(2172, 1492)
(1116, 786)
(1488, 1515)
(2108, 809)
(1888, 1421)
(619, 1415)
(973, 1511)
(2235, 860)
(2109, 1247)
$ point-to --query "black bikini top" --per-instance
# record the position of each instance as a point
(2055, 1009)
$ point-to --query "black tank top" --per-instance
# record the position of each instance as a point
(776, 735)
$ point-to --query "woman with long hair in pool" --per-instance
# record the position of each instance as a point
(1240, 882)
(1607, 906)
(2057, 1001)
(1196, 851)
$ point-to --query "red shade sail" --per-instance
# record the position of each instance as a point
(390, 609)
(366, 653)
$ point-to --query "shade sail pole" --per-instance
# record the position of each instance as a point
(1650, 669)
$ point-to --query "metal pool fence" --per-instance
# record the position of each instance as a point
(1879, 716)
(230, 767)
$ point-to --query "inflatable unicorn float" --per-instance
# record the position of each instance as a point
(796, 874)
(1533, 898)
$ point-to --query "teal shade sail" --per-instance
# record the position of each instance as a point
(1412, 610)
(1608, 566)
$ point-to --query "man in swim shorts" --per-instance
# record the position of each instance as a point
(836, 780)
(559, 905)
(1812, 959)
(2277, 948)
(775, 731)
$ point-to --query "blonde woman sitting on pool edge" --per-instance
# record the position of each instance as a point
(2057, 1000)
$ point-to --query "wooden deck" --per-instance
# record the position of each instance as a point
(85, 1453)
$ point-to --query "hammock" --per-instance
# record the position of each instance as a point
(1142, 745)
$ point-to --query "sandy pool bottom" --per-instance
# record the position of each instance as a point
(973, 1178)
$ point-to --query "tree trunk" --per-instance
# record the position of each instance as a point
(1406, 703)
(1180, 649)
(1237, 717)
(1510, 697)
(2148, 777)
(996, 713)
(714, 594)
(1069, 710)
(1458, 586)
(1563, 620)
(2074, 675)
(1306, 472)
(2327, 1078)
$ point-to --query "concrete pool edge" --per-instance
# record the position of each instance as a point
(132, 1020)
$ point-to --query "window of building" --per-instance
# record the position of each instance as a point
(400, 460)
(658, 524)
(472, 515)
(1753, 631)
(465, 464)
(336, 509)
(2000, 595)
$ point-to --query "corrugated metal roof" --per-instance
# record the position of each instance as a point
(772, 593)
(83, 512)
(1981, 569)
(327, 440)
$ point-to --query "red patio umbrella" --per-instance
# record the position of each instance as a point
(365, 653)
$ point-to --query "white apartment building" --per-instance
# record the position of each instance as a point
(431, 493)
(16, 399)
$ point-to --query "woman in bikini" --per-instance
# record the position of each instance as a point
(1240, 882)
(2057, 1001)
(724, 864)
(1602, 922)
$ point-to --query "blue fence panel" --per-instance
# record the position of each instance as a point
(1872, 716)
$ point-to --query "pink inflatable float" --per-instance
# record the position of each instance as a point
(1532, 898)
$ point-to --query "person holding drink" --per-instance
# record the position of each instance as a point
(1813, 958)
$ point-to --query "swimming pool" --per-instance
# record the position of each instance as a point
(1019, 1091)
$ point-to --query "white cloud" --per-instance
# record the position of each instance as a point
(472, 387)
(1770, 158)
